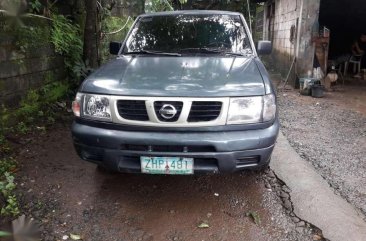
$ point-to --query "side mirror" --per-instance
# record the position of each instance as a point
(264, 47)
(114, 47)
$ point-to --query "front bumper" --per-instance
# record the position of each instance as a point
(214, 152)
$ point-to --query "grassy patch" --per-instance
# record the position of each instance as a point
(37, 108)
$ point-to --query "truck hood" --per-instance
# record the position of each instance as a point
(211, 76)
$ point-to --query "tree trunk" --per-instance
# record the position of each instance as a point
(91, 34)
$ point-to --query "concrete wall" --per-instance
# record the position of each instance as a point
(289, 25)
(285, 16)
(280, 19)
(21, 70)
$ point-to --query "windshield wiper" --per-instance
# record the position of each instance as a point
(233, 54)
(246, 52)
(202, 50)
(153, 53)
(213, 50)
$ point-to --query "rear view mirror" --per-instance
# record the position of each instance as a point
(114, 47)
(264, 47)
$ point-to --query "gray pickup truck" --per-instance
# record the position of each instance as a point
(186, 94)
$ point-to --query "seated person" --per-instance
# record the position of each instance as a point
(359, 46)
(358, 50)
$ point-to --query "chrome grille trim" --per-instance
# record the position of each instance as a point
(204, 111)
(183, 117)
(132, 110)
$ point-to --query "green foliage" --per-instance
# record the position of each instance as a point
(35, 6)
(158, 5)
(22, 128)
(66, 37)
(7, 186)
(41, 105)
(7, 165)
(113, 24)
(4, 145)
(82, 69)
(54, 91)
(29, 38)
(5, 234)
(4, 122)
(28, 106)
(36, 105)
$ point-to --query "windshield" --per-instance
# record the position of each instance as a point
(189, 34)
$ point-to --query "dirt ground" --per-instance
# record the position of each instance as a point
(67, 195)
(331, 134)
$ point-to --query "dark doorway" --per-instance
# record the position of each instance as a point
(346, 20)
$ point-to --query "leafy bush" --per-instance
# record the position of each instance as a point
(28, 106)
(35, 105)
(54, 91)
(4, 122)
(35, 6)
(7, 187)
(66, 37)
(7, 165)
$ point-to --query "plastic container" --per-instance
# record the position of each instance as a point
(317, 91)
(306, 84)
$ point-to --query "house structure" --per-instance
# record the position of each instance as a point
(308, 34)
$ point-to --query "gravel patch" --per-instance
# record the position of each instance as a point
(332, 138)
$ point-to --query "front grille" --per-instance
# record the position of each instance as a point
(132, 110)
(204, 111)
(169, 111)
(167, 148)
(178, 105)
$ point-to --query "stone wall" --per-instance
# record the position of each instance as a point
(22, 69)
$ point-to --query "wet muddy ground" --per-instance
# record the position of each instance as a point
(70, 196)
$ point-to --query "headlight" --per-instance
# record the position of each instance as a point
(96, 107)
(249, 110)
(93, 106)
(269, 107)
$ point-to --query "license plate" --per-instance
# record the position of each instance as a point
(167, 165)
